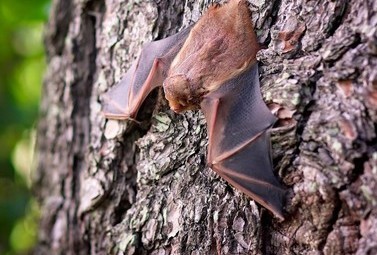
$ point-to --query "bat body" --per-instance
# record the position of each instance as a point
(212, 66)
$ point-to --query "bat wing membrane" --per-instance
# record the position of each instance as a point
(239, 141)
(146, 73)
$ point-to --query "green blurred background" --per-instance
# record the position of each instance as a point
(21, 71)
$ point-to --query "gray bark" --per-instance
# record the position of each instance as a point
(109, 187)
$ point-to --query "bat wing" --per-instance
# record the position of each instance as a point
(239, 147)
(146, 73)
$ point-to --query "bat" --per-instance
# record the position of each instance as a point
(212, 66)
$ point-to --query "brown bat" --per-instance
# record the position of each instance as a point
(212, 66)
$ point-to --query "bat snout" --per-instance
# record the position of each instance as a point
(177, 92)
(176, 109)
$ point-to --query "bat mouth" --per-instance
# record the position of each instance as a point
(179, 107)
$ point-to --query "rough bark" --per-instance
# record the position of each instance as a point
(109, 187)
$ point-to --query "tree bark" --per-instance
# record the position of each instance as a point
(112, 187)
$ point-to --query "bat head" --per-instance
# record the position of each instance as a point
(180, 93)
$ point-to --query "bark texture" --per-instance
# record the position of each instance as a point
(109, 187)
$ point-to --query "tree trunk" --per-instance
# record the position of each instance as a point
(115, 187)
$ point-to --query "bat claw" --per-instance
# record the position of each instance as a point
(135, 121)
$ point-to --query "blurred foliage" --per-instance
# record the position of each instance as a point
(21, 71)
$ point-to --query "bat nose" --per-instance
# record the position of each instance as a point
(177, 109)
